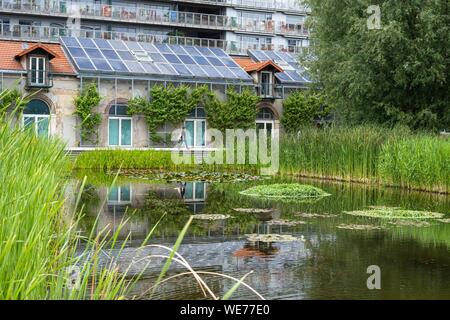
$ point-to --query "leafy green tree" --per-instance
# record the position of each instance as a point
(301, 108)
(238, 111)
(396, 74)
(85, 104)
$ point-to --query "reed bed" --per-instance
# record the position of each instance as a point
(369, 154)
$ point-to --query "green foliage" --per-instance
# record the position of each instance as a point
(398, 74)
(285, 191)
(237, 112)
(85, 103)
(11, 100)
(301, 108)
(167, 105)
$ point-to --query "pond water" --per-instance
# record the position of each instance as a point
(324, 262)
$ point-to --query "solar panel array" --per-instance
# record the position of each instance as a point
(117, 56)
(292, 71)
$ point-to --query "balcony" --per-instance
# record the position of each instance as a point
(269, 91)
(38, 79)
(52, 34)
(143, 14)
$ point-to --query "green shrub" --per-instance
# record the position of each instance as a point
(301, 108)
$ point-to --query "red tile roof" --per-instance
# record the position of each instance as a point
(10, 49)
(250, 65)
(35, 47)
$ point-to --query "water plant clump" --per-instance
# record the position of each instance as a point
(272, 237)
(282, 222)
(291, 191)
(358, 227)
(253, 210)
(444, 220)
(315, 215)
(410, 223)
(395, 213)
(211, 217)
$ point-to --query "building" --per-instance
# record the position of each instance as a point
(54, 74)
(232, 25)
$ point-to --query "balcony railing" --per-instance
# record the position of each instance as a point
(269, 91)
(39, 79)
(144, 14)
(52, 34)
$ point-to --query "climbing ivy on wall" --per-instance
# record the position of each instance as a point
(167, 105)
(238, 111)
(85, 103)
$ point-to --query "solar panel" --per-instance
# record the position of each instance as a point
(116, 56)
(293, 72)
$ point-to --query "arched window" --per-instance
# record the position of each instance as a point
(265, 120)
(36, 117)
(120, 126)
(195, 128)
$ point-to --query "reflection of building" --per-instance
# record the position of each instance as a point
(195, 195)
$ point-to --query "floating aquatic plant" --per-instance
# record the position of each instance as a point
(272, 237)
(211, 217)
(315, 215)
(410, 223)
(444, 220)
(253, 210)
(395, 213)
(292, 191)
(282, 222)
(358, 227)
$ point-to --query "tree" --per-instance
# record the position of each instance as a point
(396, 74)
(238, 111)
(301, 108)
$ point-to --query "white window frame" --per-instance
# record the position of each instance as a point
(120, 131)
(195, 120)
(35, 117)
(37, 71)
(119, 200)
(270, 94)
(265, 122)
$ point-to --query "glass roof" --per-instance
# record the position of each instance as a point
(153, 60)
(293, 72)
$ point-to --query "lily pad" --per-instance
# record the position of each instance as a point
(358, 227)
(292, 191)
(272, 237)
(211, 217)
(315, 215)
(444, 220)
(410, 223)
(253, 210)
(395, 213)
(282, 222)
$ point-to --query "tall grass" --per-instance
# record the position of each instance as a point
(418, 162)
(369, 154)
(38, 230)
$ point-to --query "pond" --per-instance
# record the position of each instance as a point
(317, 251)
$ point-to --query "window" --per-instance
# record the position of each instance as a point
(194, 133)
(265, 120)
(266, 84)
(37, 71)
(36, 118)
(119, 195)
(120, 126)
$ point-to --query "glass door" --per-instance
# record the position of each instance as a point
(120, 131)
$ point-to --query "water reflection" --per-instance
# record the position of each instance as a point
(328, 263)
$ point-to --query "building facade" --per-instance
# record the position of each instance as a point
(232, 25)
(54, 74)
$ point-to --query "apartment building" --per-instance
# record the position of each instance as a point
(232, 25)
